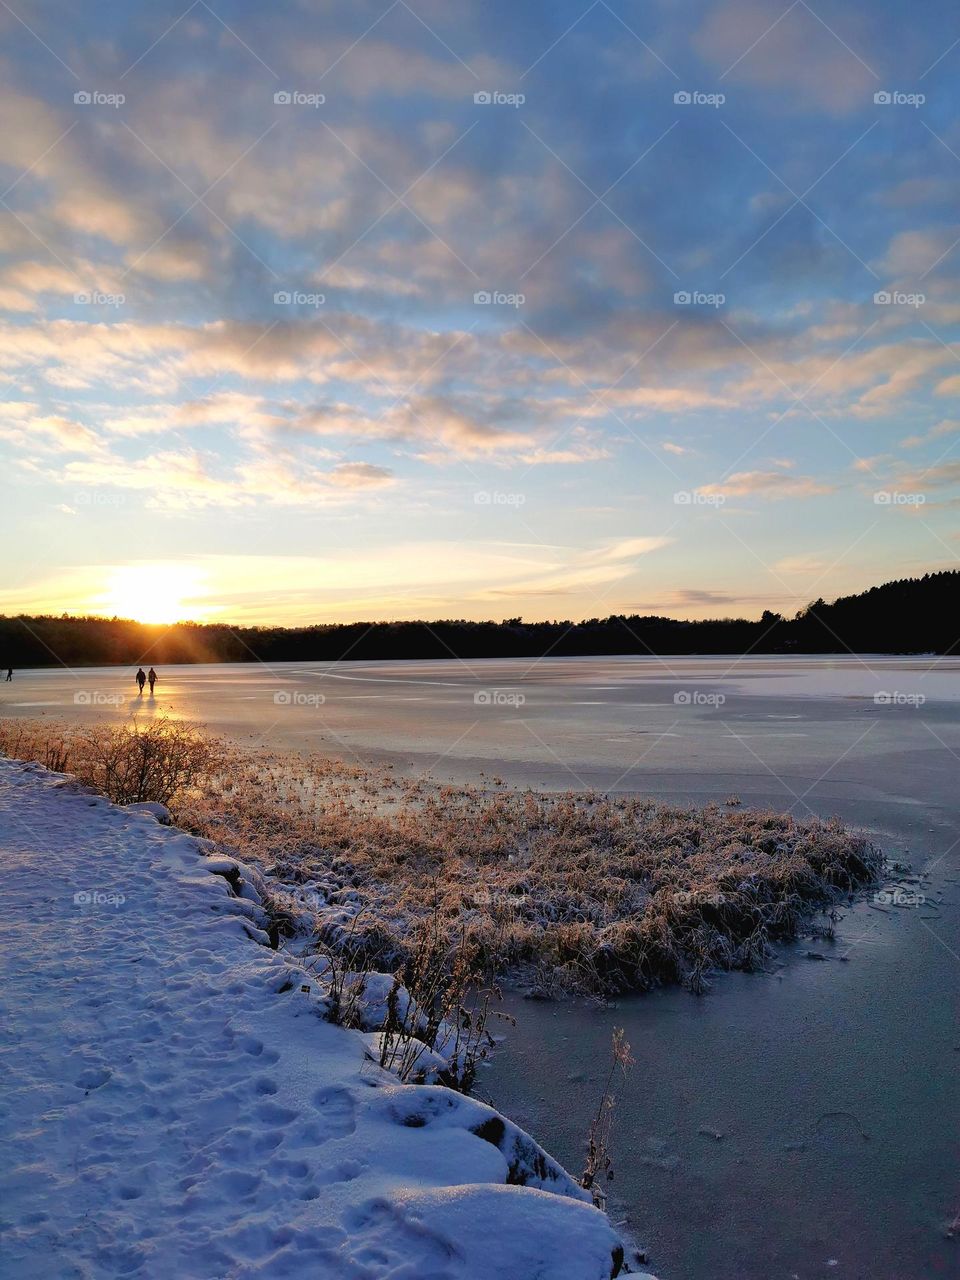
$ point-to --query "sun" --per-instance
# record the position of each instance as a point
(148, 592)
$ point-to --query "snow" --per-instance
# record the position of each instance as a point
(175, 1105)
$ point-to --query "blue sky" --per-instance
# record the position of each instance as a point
(251, 371)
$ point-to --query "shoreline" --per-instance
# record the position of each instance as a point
(410, 1170)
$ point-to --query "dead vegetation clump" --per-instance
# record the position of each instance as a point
(578, 892)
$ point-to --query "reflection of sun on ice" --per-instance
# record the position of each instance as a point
(149, 592)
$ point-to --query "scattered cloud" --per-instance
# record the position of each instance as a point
(767, 484)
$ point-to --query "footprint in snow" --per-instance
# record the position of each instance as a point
(239, 1183)
(273, 1113)
(255, 1048)
(344, 1171)
(92, 1078)
(338, 1111)
(380, 1237)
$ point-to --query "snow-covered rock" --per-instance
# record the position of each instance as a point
(152, 810)
(176, 1105)
(370, 995)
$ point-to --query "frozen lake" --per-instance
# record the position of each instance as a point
(834, 1084)
(698, 725)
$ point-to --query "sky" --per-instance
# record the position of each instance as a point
(450, 308)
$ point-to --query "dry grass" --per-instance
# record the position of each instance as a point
(598, 1168)
(583, 892)
(580, 892)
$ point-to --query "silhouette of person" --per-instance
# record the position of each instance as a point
(141, 680)
(9, 673)
(152, 677)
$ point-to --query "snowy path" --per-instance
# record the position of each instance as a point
(168, 1110)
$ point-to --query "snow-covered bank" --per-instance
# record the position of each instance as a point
(174, 1105)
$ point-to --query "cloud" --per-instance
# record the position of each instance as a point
(804, 564)
(373, 67)
(789, 54)
(690, 598)
(913, 253)
(45, 433)
(937, 476)
(947, 427)
(574, 571)
(768, 484)
(191, 479)
(174, 260)
(629, 548)
(360, 475)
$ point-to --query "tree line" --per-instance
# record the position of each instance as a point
(911, 615)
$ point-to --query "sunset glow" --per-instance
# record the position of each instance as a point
(151, 593)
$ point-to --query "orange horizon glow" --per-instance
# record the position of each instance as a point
(153, 593)
(412, 581)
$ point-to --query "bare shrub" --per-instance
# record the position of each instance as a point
(128, 763)
(445, 978)
(433, 1017)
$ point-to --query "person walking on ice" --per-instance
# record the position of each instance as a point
(152, 677)
(141, 680)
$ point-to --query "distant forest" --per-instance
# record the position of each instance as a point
(913, 615)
